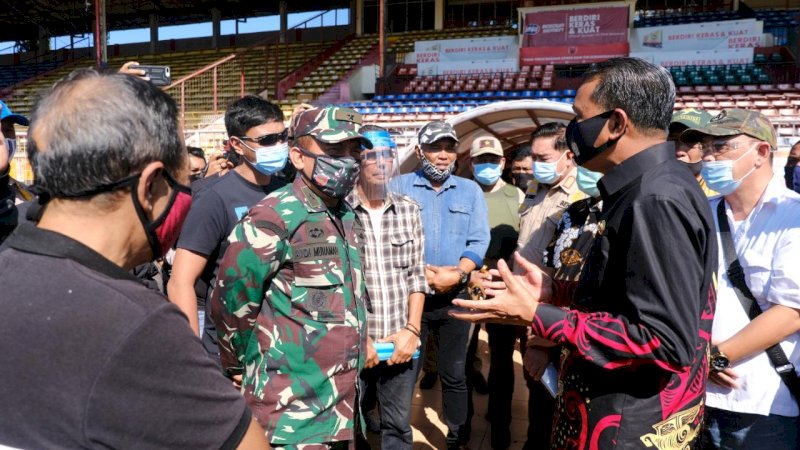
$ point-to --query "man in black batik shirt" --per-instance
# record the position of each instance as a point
(637, 333)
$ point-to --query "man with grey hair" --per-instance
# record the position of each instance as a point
(92, 357)
(637, 333)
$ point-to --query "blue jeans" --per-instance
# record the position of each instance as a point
(452, 337)
(394, 389)
(727, 430)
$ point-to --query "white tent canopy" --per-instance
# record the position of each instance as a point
(512, 122)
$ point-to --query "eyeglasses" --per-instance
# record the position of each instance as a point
(376, 155)
(721, 147)
(268, 140)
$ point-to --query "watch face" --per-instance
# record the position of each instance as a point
(720, 362)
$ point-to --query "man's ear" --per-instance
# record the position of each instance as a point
(297, 158)
(764, 153)
(236, 145)
(618, 124)
(151, 186)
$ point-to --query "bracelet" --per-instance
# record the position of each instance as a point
(412, 331)
(413, 328)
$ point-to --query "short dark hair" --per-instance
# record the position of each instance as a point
(552, 129)
(196, 152)
(643, 90)
(92, 129)
(248, 112)
(521, 152)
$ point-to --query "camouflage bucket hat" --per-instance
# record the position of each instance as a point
(331, 125)
(434, 131)
(690, 118)
(731, 122)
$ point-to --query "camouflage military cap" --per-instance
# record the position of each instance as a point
(690, 118)
(731, 122)
(331, 125)
(434, 131)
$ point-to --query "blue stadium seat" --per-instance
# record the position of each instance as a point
(401, 97)
(390, 97)
(426, 96)
(554, 94)
(438, 96)
(540, 94)
(451, 96)
(528, 94)
(378, 97)
(569, 92)
(427, 109)
(514, 94)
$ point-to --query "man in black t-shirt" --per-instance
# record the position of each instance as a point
(91, 357)
(257, 134)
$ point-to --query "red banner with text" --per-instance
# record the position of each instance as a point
(574, 35)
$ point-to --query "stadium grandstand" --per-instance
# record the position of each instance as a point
(436, 58)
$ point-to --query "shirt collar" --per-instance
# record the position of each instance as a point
(568, 183)
(355, 201)
(634, 167)
(309, 199)
(30, 239)
(422, 180)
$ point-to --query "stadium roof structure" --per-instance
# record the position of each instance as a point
(512, 122)
(21, 19)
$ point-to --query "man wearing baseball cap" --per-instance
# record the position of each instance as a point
(289, 301)
(502, 201)
(10, 189)
(455, 221)
(690, 151)
(753, 394)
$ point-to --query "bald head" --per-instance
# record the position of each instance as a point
(94, 129)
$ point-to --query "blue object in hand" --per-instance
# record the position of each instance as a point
(385, 350)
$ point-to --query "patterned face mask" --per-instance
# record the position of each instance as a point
(334, 177)
(434, 174)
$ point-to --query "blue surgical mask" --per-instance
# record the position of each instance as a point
(272, 159)
(719, 175)
(587, 181)
(547, 173)
(487, 174)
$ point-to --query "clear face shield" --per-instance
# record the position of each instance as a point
(379, 166)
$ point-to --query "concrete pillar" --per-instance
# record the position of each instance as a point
(283, 10)
(438, 15)
(153, 34)
(216, 27)
(357, 16)
(42, 42)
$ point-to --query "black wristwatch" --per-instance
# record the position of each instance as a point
(464, 277)
(719, 360)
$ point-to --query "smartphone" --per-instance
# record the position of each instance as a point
(159, 75)
(550, 379)
(385, 350)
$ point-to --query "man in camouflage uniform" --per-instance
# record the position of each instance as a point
(289, 301)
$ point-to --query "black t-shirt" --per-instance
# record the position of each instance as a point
(216, 208)
(217, 205)
(91, 358)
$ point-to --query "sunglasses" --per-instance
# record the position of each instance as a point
(268, 140)
(376, 155)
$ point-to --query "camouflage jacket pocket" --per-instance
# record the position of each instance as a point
(317, 293)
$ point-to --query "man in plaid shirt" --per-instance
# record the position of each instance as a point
(394, 272)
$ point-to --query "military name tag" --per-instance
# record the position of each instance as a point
(316, 251)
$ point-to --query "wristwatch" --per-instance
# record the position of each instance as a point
(719, 360)
(464, 277)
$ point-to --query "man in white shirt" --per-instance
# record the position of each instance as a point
(749, 406)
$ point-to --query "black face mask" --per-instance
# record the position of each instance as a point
(788, 172)
(582, 135)
(695, 167)
(522, 180)
(195, 177)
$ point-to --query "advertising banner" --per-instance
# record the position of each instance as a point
(573, 27)
(460, 56)
(725, 56)
(574, 34)
(583, 54)
(729, 34)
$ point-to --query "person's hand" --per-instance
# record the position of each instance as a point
(475, 285)
(726, 378)
(217, 164)
(405, 344)
(442, 279)
(372, 355)
(237, 381)
(126, 69)
(535, 360)
(512, 301)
